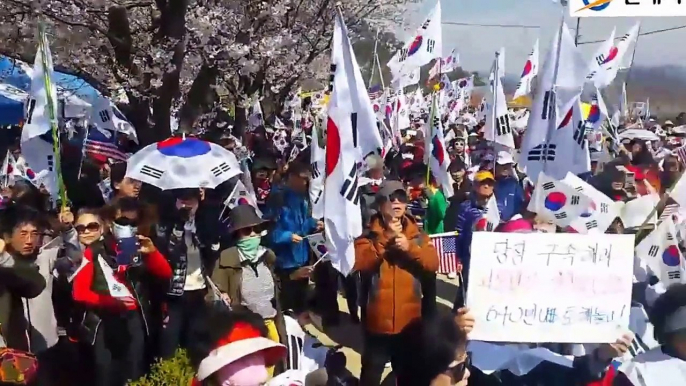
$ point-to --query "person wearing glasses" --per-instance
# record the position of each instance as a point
(113, 285)
(397, 255)
(244, 273)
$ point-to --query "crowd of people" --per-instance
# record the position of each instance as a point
(95, 291)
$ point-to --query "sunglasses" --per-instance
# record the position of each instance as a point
(125, 221)
(458, 371)
(247, 231)
(90, 227)
(399, 195)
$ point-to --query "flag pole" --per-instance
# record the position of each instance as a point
(552, 121)
(427, 139)
(494, 114)
(42, 41)
(633, 55)
(374, 59)
(378, 67)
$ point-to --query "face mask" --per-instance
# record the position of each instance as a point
(248, 371)
(123, 231)
(263, 189)
(249, 248)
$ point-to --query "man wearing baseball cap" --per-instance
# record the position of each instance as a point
(468, 213)
(398, 254)
(508, 192)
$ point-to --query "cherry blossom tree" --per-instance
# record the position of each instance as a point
(171, 57)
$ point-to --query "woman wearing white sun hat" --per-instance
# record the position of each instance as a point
(234, 350)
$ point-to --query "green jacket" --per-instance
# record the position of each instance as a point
(435, 213)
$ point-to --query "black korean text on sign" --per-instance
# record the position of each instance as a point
(509, 252)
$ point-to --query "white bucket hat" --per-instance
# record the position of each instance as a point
(246, 342)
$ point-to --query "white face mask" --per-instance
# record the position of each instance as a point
(123, 231)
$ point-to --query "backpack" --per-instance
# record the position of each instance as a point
(17, 367)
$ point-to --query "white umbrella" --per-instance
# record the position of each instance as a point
(643, 134)
(178, 163)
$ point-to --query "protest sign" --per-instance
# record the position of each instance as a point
(565, 288)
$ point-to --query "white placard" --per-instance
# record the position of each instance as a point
(562, 288)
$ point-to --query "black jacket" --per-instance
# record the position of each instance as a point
(21, 280)
(461, 195)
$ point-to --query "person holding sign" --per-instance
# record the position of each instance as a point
(396, 254)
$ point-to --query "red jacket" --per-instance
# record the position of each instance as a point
(83, 293)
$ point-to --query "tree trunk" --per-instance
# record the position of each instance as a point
(200, 98)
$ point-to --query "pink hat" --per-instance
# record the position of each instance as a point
(241, 342)
(518, 225)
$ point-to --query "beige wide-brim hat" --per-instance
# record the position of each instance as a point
(224, 355)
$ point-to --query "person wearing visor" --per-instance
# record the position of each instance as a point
(468, 213)
(397, 255)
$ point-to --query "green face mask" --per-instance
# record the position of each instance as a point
(249, 248)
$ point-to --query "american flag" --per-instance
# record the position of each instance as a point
(375, 92)
(681, 153)
(101, 144)
(446, 246)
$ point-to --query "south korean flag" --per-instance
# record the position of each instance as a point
(491, 217)
(240, 195)
(557, 201)
(601, 212)
(660, 251)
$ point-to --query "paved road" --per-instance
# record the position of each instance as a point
(350, 335)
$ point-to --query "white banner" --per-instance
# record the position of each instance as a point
(562, 288)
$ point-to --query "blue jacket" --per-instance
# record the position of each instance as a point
(509, 195)
(468, 213)
(291, 214)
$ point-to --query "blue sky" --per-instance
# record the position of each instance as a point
(477, 45)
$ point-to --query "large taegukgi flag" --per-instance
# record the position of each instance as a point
(342, 215)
